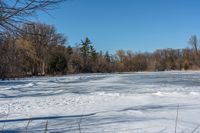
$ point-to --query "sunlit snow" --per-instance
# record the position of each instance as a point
(143, 102)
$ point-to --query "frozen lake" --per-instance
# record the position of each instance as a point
(143, 102)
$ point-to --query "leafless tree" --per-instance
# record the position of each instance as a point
(16, 12)
(194, 43)
(41, 36)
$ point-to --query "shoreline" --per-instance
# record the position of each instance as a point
(61, 75)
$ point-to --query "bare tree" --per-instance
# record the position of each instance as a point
(194, 43)
(41, 36)
(15, 12)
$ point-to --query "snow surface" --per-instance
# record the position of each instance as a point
(144, 102)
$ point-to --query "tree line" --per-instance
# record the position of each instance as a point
(41, 50)
(33, 49)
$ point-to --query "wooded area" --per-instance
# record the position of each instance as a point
(33, 49)
(41, 50)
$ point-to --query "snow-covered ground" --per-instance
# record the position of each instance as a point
(143, 102)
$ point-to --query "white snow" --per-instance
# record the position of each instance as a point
(144, 102)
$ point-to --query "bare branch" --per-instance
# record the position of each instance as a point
(16, 12)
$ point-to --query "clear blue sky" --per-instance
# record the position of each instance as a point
(138, 25)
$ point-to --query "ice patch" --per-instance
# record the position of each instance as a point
(29, 85)
(159, 93)
(176, 94)
(106, 94)
(195, 93)
(23, 86)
